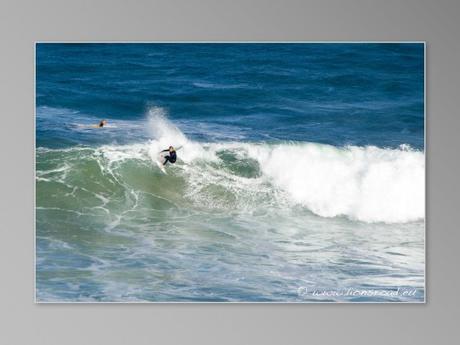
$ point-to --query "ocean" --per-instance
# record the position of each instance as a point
(301, 169)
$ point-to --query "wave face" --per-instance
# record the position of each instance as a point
(366, 184)
(301, 166)
(110, 210)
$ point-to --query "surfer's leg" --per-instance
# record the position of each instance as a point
(166, 160)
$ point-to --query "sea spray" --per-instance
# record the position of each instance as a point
(363, 183)
(367, 184)
(257, 207)
(164, 134)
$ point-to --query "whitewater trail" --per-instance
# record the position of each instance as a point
(368, 184)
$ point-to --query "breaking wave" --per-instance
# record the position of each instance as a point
(367, 184)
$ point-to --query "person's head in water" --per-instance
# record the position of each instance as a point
(102, 123)
(171, 149)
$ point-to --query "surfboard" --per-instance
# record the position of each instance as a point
(159, 162)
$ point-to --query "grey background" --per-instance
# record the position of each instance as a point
(22, 23)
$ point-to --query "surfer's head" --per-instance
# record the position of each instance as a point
(171, 149)
(102, 123)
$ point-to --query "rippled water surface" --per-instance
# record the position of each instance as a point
(300, 168)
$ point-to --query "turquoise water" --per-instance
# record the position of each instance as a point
(301, 168)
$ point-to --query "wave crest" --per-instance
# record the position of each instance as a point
(368, 184)
(363, 183)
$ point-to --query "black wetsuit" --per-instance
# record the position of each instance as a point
(171, 158)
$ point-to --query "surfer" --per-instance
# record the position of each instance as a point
(102, 123)
(171, 157)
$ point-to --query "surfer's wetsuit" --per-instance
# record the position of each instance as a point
(171, 158)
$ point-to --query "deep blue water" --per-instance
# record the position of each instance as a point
(256, 208)
(339, 94)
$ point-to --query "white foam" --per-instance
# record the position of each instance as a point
(368, 184)
(363, 183)
(165, 134)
